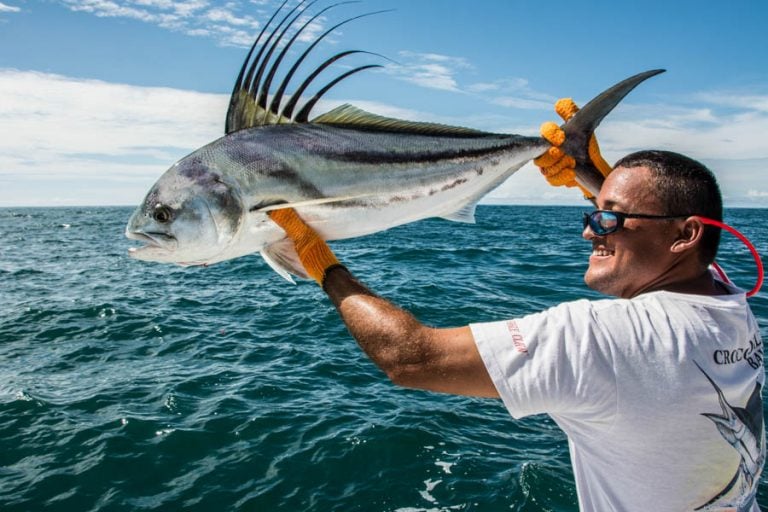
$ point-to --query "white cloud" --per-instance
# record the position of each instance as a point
(730, 135)
(227, 23)
(313, 30)
(105, 8)
(88, 141)
(748, 101)
(8, 8)
(429, 70)
(199, 18)
(85, 133)
(443, 72)
(513, 93)
(521, 103)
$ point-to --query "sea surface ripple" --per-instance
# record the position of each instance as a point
(130, 386)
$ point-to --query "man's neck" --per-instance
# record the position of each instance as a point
(703, 284)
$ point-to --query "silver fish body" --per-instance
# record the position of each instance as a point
(348, 173)
(373, 181)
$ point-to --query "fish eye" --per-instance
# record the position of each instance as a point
(162, 214)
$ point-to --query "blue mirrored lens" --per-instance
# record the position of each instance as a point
(602, 222)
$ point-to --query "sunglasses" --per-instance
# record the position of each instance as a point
(605, 222)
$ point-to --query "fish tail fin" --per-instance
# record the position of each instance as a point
(579, 129)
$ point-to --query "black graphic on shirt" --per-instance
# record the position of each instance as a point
(742, 428)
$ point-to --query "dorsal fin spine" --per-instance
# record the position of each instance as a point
(288, 112)
(250, 82)
(250, 102)
(239, 81)
(303, 115)
(264, 93)
(256, 90)
(275, 105)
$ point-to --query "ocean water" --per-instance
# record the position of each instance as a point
(131, 386)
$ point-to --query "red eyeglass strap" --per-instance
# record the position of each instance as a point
(745, 241)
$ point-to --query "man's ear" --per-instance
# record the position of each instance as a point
(689, 235)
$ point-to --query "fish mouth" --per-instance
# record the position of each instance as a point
(155, 244)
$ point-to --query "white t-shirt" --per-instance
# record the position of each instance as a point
(660, 396)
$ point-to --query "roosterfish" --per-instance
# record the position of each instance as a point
(347, 172)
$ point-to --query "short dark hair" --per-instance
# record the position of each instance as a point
(685, 186)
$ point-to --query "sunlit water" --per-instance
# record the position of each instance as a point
(135, 386)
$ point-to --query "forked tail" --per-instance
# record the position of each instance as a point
(582, 125)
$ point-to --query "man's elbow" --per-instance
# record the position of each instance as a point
(405, 368)
(408, 359)
(407, 375)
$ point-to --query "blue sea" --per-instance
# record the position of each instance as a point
(133, 386)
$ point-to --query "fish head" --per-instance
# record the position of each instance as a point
(189, 216)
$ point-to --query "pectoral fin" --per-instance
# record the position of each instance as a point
(282, 257)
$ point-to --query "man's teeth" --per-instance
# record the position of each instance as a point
(601, 252)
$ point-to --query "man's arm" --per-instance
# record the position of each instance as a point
(410, 353)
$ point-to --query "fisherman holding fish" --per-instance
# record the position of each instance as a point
(659, 390)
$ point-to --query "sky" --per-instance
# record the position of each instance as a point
(99, 97)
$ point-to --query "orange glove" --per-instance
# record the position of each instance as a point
(556, 166)
(314, 253)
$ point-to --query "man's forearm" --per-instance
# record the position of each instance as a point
(393, 338)
(410, 353)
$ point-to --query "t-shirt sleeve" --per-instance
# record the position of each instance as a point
(556, 361)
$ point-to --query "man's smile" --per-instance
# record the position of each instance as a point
(600, 251)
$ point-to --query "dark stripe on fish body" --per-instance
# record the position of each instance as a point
(288, 175)
(433, 155)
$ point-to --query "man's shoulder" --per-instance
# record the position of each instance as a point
(642, 313)
(651, 300)
(596, 306)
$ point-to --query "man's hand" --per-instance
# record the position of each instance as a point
(558, 167)
(314, 253)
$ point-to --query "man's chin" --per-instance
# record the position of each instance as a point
(600, 284)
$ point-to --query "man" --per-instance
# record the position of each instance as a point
(659, 390)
